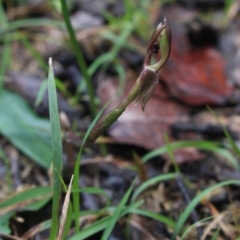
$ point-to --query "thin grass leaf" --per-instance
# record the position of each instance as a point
(199, 144)
(29, 199)
(228, 156)
(47, 224)
(94, 123)
(79, 56)
(188, 210)
(117, 214)
(76, 200)
(33, 22)
(152, 181)
(103, 223)
(108, 57)
(92, 229)
(40, 60)
(6, 51)
(204, 145)
(216, 234)
(194, 225)
(122, 78)
(171, 154)
(56, 150)
(35, 54)
(231, 141)
(41, 92)
(159, 217)
(31, 233)
(93, 190)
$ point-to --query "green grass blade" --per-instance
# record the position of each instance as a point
(199, 144)
(159, 217)
(194, 225)
(41, 92)
(117, 214)
(102, 223)
(6, 51)
(228, 156)
(57, 160)
(205, 145)
(76, 200)
(188, 210)
(151, 182)
(231, 141)
(22, 198)
(216, 234)
(36, 55)
(92, 229)
(33, 22)
(171, 154)
(79, 56)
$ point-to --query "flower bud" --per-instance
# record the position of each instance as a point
(148, 84)
(164, 46)
(149, 78)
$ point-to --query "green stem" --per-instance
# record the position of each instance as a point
(79, 56)
(113, 115)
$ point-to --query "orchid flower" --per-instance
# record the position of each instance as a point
(149, 77)
(146, 83)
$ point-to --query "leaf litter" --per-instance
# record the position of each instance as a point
(186, 87)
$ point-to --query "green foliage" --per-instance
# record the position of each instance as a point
(4, 223)
(216, 234)
(104, 222)
(35, 22)
(116, 214)
(211, 146)
(152, 181)
(24, 129)
(57, 160)
(79, 55)
(6, 55)
(228, 136)
(29, 199)
(77, 167)
(32, 135)
(192, 226)
(188, 210)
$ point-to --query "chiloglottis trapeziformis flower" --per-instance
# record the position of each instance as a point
(160, 43)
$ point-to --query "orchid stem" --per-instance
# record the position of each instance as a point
(113, 115)
(146, 83)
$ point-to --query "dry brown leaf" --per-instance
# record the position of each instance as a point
(146, 129)
(143, 128)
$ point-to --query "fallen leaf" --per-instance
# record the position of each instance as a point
(146, 129)
(143, 128)
(196, 76)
